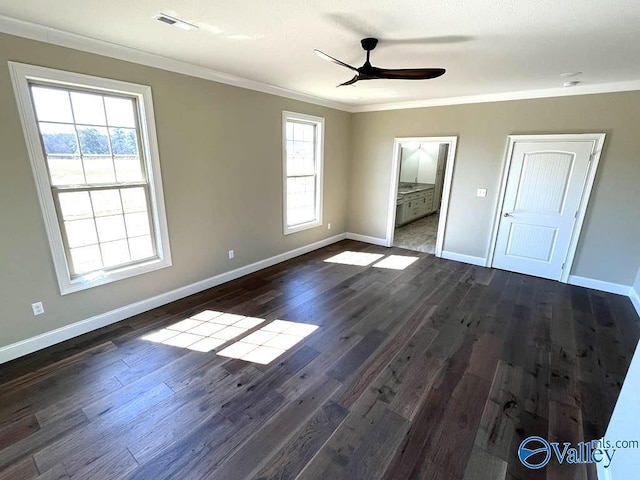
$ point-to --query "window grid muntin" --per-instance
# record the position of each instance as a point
(89, 187)
(103, 94)
(315, 153)
(119, 188)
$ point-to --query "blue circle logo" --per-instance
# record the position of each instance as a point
(534, 452)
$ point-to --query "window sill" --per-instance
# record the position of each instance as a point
(96, 279)
(302, 226)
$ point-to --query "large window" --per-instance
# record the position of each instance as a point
(94, 155)
(303, 152)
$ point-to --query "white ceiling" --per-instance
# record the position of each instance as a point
(487, 46)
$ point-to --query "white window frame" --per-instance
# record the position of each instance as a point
(21, 76)
(319, 164)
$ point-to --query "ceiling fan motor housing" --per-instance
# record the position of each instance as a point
(369, 43)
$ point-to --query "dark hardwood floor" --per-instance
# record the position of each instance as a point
(437, 371)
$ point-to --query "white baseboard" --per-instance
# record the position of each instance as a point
(30, 345)
(599, 285)
(459, 257)
(635, 299)
(366, 239)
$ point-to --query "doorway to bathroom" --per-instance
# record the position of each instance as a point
(422, 171)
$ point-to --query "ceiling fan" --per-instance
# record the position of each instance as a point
(369, 72)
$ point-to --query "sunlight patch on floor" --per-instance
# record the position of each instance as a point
(396, 262)
(205, 331)
(360, 259)
(265, 345)
(210, 329)
(363, 259)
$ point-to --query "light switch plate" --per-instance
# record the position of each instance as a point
(482, 192)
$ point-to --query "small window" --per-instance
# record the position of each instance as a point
(94, 155)
(303, 139)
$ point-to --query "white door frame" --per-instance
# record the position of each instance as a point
(446, 189)
(596, 150)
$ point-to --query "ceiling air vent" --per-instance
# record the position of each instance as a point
(175, 22)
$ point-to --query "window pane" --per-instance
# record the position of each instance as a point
(298, 131)
(59, 138)
(81, 233)
(141, 247)
(300, 165)
(300, 200)
(111, 228)
(128, 169)
(65, 170)
(307, 149)
(137, 224)
(121, 237)
(134, 200)
(115, 253)
(300, 149)
(88, 108)
(93, 140)
(51, 104)
(124, 141)
(106, 202)
(120, 111)
(86, 259)
(75, 205)
(99, 169)
(309, 133)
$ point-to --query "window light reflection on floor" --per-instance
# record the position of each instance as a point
(361, 259)
(205, 331)
(209, 330)
(265, 345)
(396, 262)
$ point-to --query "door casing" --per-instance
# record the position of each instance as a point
(452, 141)
(597, 140)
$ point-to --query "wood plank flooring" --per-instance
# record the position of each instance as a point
(437, 371)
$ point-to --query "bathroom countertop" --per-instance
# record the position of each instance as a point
(415, 188)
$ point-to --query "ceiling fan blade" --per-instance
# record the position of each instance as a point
(350, 82)
(329, 58)
(406, 73)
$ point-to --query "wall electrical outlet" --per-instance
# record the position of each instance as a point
(38, 308)
(328, 226)
(482, 192)
(231, 254)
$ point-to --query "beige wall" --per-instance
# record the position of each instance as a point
(220, 152)
(608, 248)
(221, 159)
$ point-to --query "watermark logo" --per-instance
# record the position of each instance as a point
(534, 452)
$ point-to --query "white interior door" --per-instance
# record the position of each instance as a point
(543, 193)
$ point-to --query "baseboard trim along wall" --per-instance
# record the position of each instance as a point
(600, 285)
(459, 257)
(44, 340)
(366, 239)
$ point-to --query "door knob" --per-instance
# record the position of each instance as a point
(506, 214)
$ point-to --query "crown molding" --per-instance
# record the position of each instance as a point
(612, 87)
(42, 33)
